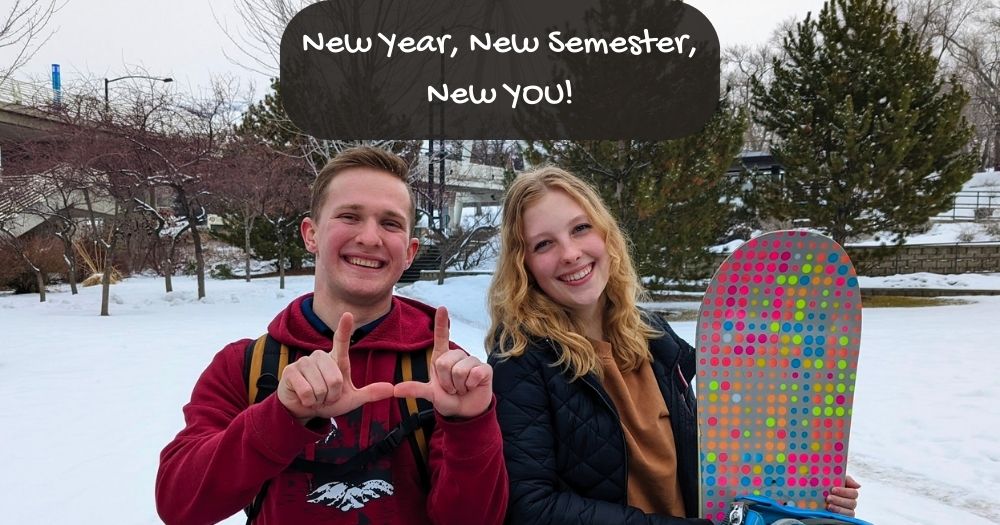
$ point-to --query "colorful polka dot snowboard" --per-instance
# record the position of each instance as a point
(777, 339)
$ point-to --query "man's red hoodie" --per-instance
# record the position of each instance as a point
(227, 450)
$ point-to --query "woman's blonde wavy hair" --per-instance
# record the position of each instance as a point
(520, 310)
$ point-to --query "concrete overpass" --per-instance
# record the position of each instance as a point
(20, 118)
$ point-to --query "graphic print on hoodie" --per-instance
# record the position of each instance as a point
(351, 490)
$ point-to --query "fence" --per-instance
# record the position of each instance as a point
(973, 206)
(25, 93)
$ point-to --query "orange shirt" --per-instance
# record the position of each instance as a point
(652, 456)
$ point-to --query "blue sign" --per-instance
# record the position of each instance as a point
(56, 84)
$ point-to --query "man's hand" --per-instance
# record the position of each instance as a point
(319, 385)
(460, 385)
(843, 500)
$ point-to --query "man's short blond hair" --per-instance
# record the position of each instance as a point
(361, 157)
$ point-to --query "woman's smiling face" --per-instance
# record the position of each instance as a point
(565, 254)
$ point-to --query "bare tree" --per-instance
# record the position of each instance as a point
(938, 24)
(257, 32)
(23, 31)
(744, 64)
(24, 250)
(964, 36)
(58, 200)
(181, 155)
(253, 183)
(977, 54)
(60, 188)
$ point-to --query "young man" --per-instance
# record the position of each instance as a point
(339, 397)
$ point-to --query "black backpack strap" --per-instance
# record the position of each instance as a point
(383, 448)
(263, 361)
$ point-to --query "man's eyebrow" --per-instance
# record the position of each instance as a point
(393, 213)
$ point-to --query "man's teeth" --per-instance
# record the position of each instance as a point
(368, 263)
(578, 275)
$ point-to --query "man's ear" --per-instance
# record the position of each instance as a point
(308, 231)
(411, 251)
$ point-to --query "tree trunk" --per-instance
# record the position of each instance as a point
(167, 267)
(106, 272)
(168, 272)
(106, 283)
(442, 260)
(246, 246)
(41, 285)
(199, 258)
(281, 269)
(106, 288)
(996, 150)
(70, 266)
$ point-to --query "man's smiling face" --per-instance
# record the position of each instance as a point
(361, 238)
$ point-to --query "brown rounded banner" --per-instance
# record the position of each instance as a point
(505, 69)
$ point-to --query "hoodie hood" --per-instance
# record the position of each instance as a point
(408, 327)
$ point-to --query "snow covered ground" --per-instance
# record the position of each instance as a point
(88, 402)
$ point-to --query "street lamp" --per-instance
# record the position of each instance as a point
(110, 80)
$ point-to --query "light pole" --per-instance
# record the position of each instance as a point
(110, 80)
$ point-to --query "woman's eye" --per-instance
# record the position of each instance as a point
(582, 227)
(541, 245)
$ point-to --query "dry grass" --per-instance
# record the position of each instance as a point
(95, 279)
(894, 301)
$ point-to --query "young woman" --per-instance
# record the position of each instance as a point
(593, 395)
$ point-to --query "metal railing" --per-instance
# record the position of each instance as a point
(980, 206)
(25, 93)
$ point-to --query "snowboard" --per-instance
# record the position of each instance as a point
(777, 340)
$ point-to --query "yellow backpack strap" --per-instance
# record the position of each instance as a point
(416, 368)
(263, 362)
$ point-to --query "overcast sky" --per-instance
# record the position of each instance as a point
(181, 39)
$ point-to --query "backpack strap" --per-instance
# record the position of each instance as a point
(263, 361)
(413, 367)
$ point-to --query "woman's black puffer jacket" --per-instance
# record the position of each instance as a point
(564, 444)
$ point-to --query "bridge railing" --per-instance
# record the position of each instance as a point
(25, 93)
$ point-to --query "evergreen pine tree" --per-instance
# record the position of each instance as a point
(671, 198)
(871, 139)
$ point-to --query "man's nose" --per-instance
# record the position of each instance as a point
(368, 235)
